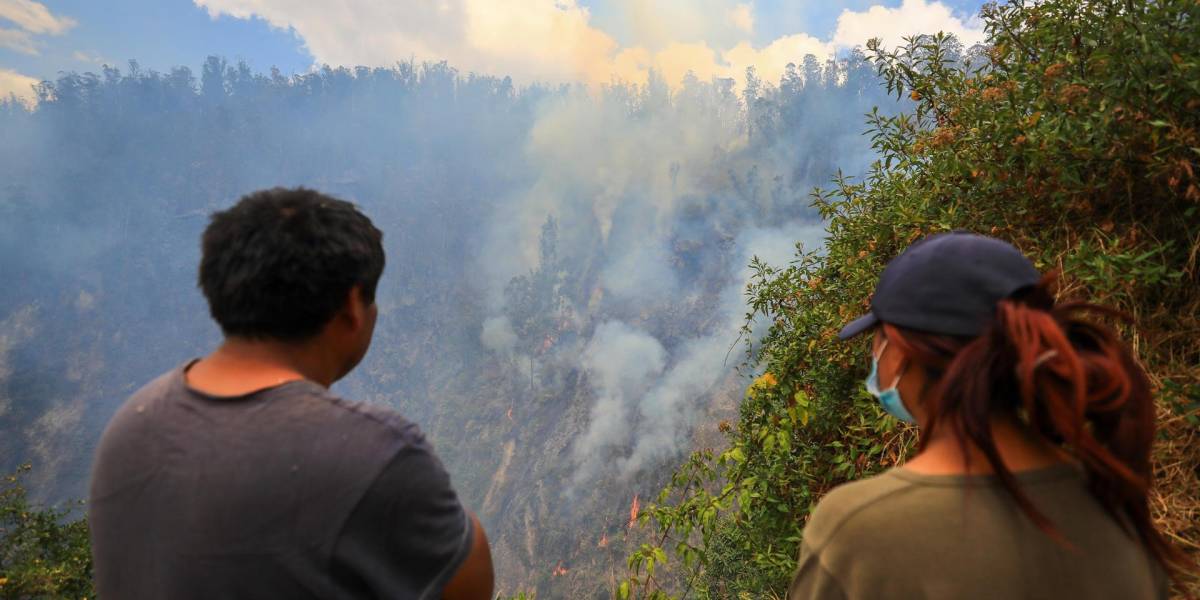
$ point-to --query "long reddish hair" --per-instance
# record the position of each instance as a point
(1071, 380)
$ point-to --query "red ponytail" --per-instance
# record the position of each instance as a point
(1071, 380)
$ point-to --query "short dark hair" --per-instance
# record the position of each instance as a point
(280, 262)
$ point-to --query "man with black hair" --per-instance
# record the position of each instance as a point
(240, 475)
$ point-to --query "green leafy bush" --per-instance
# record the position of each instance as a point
(42, 553)
(1074, 135)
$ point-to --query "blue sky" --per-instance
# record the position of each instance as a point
(777, 18)
(161, 34)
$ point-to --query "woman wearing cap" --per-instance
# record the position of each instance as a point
(1033, 462)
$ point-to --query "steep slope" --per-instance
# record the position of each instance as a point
(518, 225)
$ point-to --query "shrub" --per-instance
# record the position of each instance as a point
(43, 554)
(1073, 134)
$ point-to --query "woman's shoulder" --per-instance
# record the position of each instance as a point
(900, 503)
(859, 501)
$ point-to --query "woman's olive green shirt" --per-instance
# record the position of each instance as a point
(907, 535)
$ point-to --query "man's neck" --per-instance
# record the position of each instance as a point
(240, 366)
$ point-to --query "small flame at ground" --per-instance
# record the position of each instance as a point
(559, 570)
(633, 511)
(509, 413)
(603, 541)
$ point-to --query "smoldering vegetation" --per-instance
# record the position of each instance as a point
(562, 306)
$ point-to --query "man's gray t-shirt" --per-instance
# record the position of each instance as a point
(287, 492)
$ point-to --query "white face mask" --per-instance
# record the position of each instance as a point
(889, 398)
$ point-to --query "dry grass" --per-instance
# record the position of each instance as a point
(1175, 499)
(1171, 349)
(1166, 340)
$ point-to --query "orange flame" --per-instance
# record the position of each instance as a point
(509, 413)
(603, 541)
(559, 570)
(633, 511)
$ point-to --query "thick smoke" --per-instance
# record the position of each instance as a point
(659, 420)
(665, 413)
(565, 272)
(640, 272)
(621, 363)
(661, 201)
(498, 335)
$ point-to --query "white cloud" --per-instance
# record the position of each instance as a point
(556, 40)
(88, 57)
(742, 17)
(545, 39)
(771, 61)
(676, 60)
(34, 17)
(15, 84)
(658, 24)
(525, 37)
(20, 41)
(359, 31)
(912, 17)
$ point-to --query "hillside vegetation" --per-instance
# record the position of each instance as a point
(42, 553)
(535, 236)
(1076, 137)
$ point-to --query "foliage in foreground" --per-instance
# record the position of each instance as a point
(42, 554)
(1076, 138)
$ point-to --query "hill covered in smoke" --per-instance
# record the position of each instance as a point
(562, 309)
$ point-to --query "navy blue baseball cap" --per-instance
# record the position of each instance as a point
(948, 283)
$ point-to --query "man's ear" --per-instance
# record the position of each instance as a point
(355, 308)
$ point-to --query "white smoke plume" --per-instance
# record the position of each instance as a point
(642, 273)
(645, 414)
(621, 364)
(498, 335)
(658, 203)
(667, 412)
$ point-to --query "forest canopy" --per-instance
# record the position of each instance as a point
(521, 224)
(514, 214)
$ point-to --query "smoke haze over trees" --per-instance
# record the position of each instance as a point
(565, 265)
